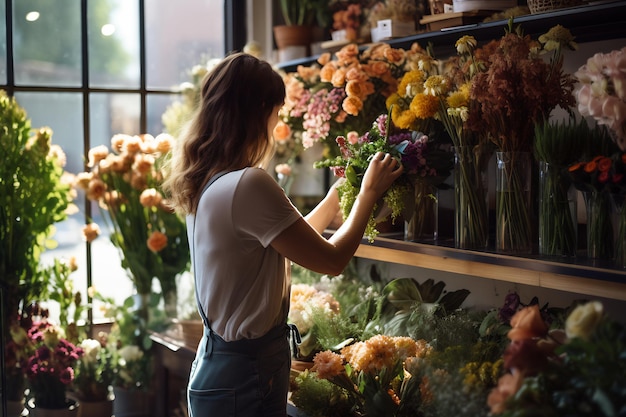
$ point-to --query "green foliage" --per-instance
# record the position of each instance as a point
(409, 308)
(33, 196)
(319, 397)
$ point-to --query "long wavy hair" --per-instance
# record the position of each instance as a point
(229, 130)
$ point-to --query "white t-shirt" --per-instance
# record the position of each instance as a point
(242, 282)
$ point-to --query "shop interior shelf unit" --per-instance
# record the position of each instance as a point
(594, 21)
(580, 275)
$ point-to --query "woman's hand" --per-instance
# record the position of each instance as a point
(382, 171)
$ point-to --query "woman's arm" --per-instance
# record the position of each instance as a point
(302, 242)
(327, 211)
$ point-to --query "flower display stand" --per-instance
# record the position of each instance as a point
(95, 408)
(16, 408)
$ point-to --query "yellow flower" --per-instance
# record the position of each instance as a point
(458, 99)
(583, 320)
(558, 37)
(424, 106)
(436, 85)
(466, 44)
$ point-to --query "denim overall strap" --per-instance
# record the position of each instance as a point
(208, 331)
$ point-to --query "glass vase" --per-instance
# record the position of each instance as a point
(619, 218)
(513, 203)
(471, 192)
(422, 225)
(599, 225)
(558, 221)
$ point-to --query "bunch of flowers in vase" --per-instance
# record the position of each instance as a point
(151, 236)
(343, 94)
(575, 371)
(601, 94)
(471, 149)
(425, 161)
(377, 374)
(35, 193)
(517, 89)
(600, 179)
(557, 146)
(50, 368)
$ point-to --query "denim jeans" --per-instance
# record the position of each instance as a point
(245, 378)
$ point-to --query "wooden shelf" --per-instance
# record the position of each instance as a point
(595, 21)
(577, 276)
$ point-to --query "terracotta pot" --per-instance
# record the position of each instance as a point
(293, 35)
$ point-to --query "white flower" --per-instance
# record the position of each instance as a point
(583, 320)
(92, 348)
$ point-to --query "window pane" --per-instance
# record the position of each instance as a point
(47, 42)
(62, 112)
(173, 49)
(156, 105)
(113, 27)
(112, 114)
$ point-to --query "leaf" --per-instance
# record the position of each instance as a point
(430, 291)
(453, 300)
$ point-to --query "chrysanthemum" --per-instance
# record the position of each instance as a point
(328, 364)
(424, 106)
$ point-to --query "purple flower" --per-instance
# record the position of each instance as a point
(510, 307)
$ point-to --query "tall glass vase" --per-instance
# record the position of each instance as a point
(619, 217)
(471, 191)
(422, 225)
(558, 221)
(513, 203)
(599, 225)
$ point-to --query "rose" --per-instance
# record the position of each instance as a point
(282, 131)
(527, 323)
(583, 320)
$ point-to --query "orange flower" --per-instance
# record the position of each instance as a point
(90, 232)
(508, 385)
(527, 323)
(591, 166)
(328, 364)
(157, 241)
(282, 131)
(150, 197)
(352, 105)
(96, 189)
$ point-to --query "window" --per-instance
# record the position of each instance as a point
(90, 69)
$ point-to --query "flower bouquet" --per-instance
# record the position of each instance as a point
(599, 179)
(471, 149)
(126, 183)
(576, 372)
(336, 96)
(50, 369)
(517, 89)
(377, 374)
(424, 160)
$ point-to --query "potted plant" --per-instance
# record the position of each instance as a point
(299, 17)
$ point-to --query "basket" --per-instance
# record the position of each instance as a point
(538, 6)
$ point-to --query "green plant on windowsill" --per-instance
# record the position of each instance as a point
(305, 12)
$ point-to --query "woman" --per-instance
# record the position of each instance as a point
(242, 228)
